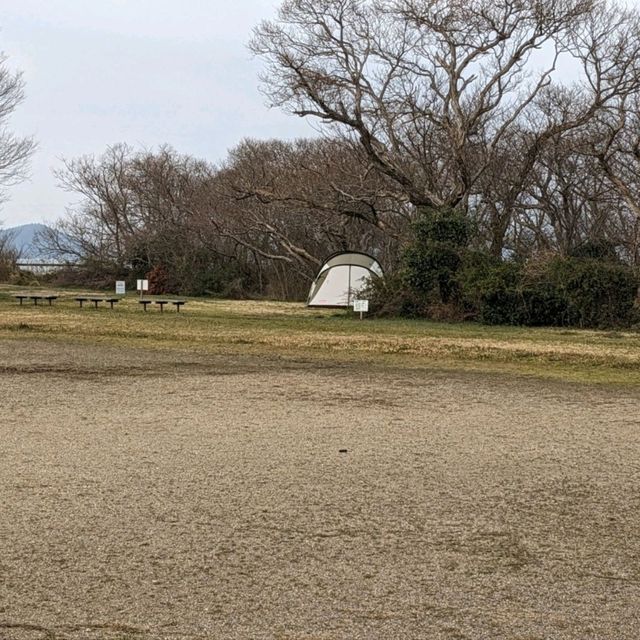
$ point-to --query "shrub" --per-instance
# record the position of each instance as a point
(580, 292)
(390, 296)
(158, 281)
(602, 250)
(8, 258)
(91, 273)
(492, 291)
(224, 280)
(432, 261)
(597, 293)
(441, 278)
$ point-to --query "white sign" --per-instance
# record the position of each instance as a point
(361, 305)
(143, 285)
(120, 287)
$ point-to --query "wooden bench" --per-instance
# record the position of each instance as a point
(161, 304)
(96, 301)
(36, 298)
(81, 301)
(112, 301)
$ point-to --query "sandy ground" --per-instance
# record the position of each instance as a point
(163, 495)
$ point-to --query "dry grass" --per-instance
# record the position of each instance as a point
(289, 330)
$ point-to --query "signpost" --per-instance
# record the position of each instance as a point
(120, 287)
(142, 286)
(361, 306)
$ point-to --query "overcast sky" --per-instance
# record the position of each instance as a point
(145, 72)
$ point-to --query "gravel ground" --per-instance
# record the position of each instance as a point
(170, 495)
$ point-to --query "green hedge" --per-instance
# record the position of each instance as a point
(441, 277)
(583, 292)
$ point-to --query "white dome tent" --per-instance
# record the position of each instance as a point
(341, 278)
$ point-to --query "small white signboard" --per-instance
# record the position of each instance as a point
(143, 285)
(120, 287)
(361, 305)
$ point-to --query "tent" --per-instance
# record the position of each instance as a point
(341, 278)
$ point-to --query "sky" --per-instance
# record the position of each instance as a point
(145, 72)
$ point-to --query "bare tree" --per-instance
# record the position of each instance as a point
(138, 210)
(296, 202)
(290, 204)
(131, 202)
(440, 94)
(14, 150)
(273, 209)
(613, 144)
(567, 202)
(418, 83)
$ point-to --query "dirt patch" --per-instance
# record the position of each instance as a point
(177, 495)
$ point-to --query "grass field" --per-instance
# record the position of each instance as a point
(250, 470)
(289, 330)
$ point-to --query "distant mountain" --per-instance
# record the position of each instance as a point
(23, 237)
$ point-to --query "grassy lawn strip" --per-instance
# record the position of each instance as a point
(291, 330)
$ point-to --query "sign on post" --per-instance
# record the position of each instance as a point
(120, 287)
(142, 285)
(361, 306)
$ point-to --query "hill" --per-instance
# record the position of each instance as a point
(24, 239)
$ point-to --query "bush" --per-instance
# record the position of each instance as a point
(390, 296)
(432, 261)
(492, 292)
(92, 274)
(580, 292)
(597, 293)
(596, 250)
(158, 281)
(210, 274)
(8, 259)
(441, 278)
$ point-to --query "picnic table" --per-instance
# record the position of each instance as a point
(112, 301)
(81, 301)
(21, 298)
(96, 301)
(144, 303)
(178, 304)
